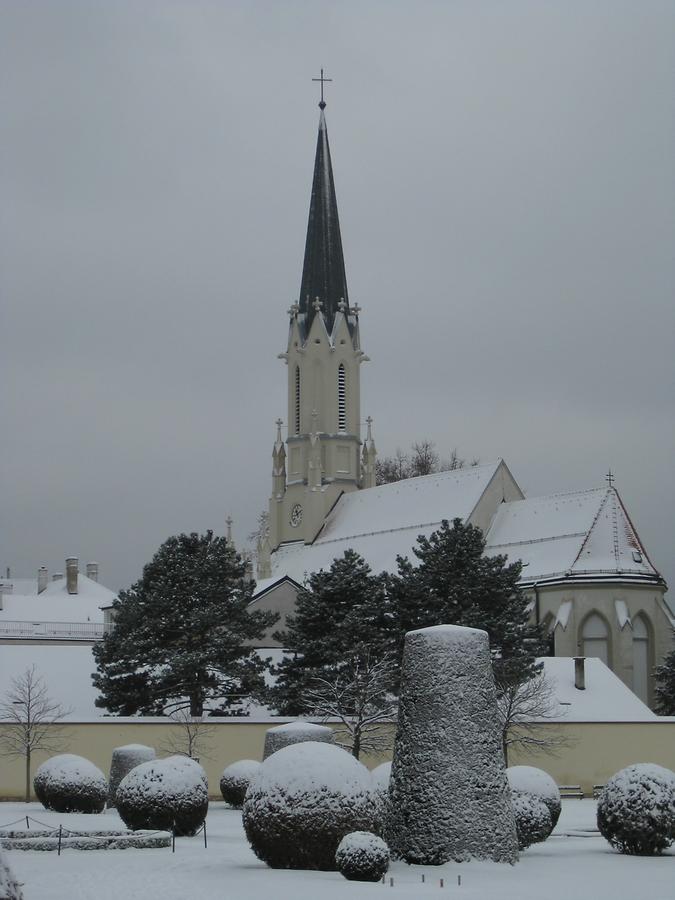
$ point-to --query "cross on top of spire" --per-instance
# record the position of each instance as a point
(322, 103)
(610, 478)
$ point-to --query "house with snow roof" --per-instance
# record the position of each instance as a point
(66, 608)
(588, 576)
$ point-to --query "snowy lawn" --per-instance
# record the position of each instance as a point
(574, 864)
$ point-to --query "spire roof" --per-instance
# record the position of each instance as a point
(323, 272)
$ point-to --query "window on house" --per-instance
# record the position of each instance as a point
(641, 658)
(297, 399)
(595, 638)
(342, 398)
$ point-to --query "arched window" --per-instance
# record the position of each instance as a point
(595, 638)
(297, 399)
(342, 398)
(641, 658)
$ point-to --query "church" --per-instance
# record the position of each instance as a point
(587, 575)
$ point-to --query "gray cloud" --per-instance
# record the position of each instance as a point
(507, 200)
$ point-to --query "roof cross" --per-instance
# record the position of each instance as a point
(609, 478)
(322, 104)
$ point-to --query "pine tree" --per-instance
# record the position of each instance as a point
(453, 583)
(339, 613)
(180, 634)
(665, 685)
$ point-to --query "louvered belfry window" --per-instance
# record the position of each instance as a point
(297, 399)
(342, 398)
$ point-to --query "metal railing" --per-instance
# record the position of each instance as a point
(55, 631)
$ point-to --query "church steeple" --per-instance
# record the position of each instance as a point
(323, 272)
(321, 457)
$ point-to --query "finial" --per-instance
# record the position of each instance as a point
(369, 422)
(610, 479)
(355, 310)
(279, 423)
(293, 310)
(322, 102)
(317, 304)
(342, 305)
(228, 521)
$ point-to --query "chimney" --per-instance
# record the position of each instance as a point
(580, 673)
(57, 575)
(43, 578)
(92, 571)
(71, 574)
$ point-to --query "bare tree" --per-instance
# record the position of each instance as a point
(359, 697)
(423, 460)
(529, 713)
(193, 737)
(29, 718)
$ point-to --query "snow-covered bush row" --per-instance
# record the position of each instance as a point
(124, 759)
(449, 795)
(302, 801)
(380, 776)
(235, 780)
(9, 888)
(530, 780)
(362, 856)
(636, 809)
(295, 733)
(163, 794)
(69, 783)
(83, 840)
(533, 820)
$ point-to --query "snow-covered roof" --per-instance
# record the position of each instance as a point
(55, 604)
(383, 522)
(581, 534)
(605, 698)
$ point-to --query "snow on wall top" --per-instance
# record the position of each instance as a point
(55, 604)
(580, 533)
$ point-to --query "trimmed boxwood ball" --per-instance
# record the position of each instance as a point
(533, 820)
(534, 781)
(9, 886)
(70, 783)
(295, 733)
(191, 765)
(161, 795)
(362, 856)
(302, 801)
(636, 809)
(124, 759)
(235, 780)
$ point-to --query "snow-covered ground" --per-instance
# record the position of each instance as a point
(574, 864)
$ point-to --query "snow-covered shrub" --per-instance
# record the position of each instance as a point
(362, 856)
(9, 888)
(69, 783)
(124, 759)
(380, 776)
(533, 820)
(302, 801)
(235, 780)
(530, 780)
(449, 796)
(636, 809)
(181, 761)
(162, 795)
(295, 733)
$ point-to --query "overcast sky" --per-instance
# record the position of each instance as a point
(506, 184)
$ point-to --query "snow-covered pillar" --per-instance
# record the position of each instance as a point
(449, 795)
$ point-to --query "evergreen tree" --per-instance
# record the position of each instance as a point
(339, 614)
(455, 584)
(665, 685)
(180, 634)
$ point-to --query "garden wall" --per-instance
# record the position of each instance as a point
(595, 752)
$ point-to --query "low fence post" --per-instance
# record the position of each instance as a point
(59, 847)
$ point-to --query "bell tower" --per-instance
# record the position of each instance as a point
(323, 454)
